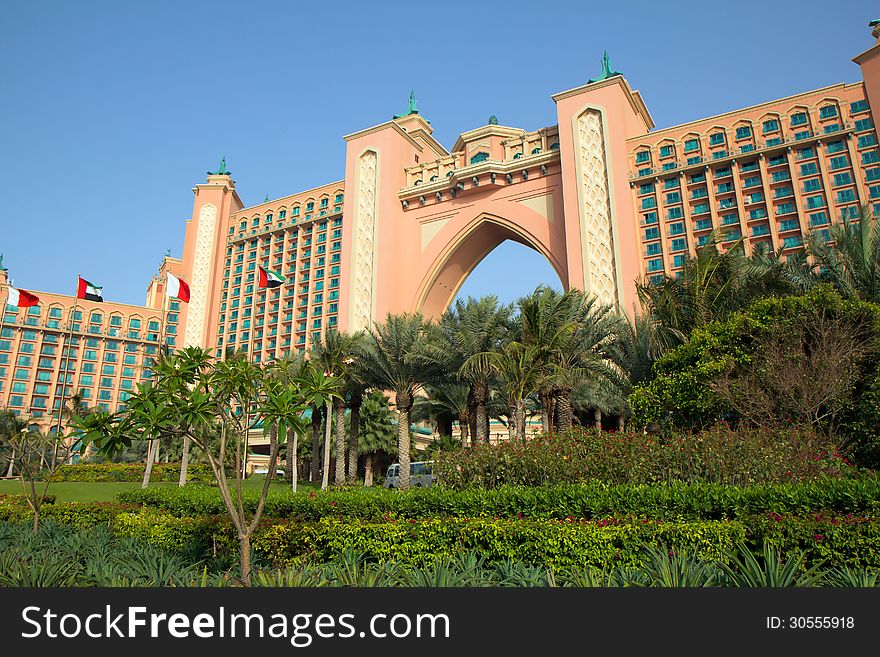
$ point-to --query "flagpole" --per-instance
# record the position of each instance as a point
(67, 360)
(2, 321)
(164, 312)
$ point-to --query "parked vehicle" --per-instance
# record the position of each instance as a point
(420, 475)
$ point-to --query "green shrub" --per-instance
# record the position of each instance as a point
(675, 500)
(169, 532)
(94, 472)
(718, 455)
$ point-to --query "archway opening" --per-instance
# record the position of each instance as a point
(509, 271)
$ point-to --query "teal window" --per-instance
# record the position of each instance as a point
(55, 313)
(864, 124)
(674, 213)
(835, 146)
(651, 250)
(804, 153)
(760, 229)
(770, 126)
(870, 157)
(650, 217)
(691, 145)
(779, 176)
(701, 208)
(818, 219)
(874, 191)
(812, 185)
(694, 160)
(842, 179)
(846, 196)
(747, 148)
(792, 242)
(717, 155)
(817, 201)
(831, 128)
(724, 188)
(671, 183)
(295, 211)
(667, 151)
(652, 233)
(703, 224)
(679, 244)
(798, 119)
(479, 157)
(743, 132)
(644, 172)
(678, 261)
(676, 229)
(858, 106)
(839, 162)
(752, 181)
(698, 177)
(701, 192)
(716, 139)
(828, 112)
(759, 213)
(673, 197)
(642, 157)
(867, 140)
(773, 142)
(646, 188)
(723, 172)
(785, 208)
(653, 265)
(648, 203)
(776, 160)
(789, 224)
(782, 192)
(802, 135)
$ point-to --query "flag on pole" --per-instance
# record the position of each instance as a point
(22, 298)
(178, 288)
(269, 278)
(86, 290)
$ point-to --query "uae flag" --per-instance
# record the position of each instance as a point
(269, 278)
(21, 298)
(86, 290)
(178, 288)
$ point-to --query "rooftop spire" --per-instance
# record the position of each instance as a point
(411, 106)
(607, 71)
(222, 171)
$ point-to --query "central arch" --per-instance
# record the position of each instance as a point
(465, 250)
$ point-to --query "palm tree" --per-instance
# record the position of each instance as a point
(472, 327)
(521, 373)
(322, 389)
(290, 370)
(393, 360)
(575, 339)
(376, 432)
(11, 426)
(444, 404)
(715, 283)
(336, 352)
(850, 258)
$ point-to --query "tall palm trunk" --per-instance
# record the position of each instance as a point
(184, 461)
(621, 422)
(404, 403)
(565, 410)
(520, 411)
(289, 457)
(597, 415)
(463, 428)
(294, 458)
(481, 396)
(547, 406)
(511, 422)
(472, 416)
(353, 436)
(316, 444)
(325, 475)
(368, 472)
(339, 417)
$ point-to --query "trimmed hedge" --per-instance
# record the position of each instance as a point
(669, 501)
(95, 472)
(14, 508)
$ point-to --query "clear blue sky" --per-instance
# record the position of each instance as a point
(111, 111)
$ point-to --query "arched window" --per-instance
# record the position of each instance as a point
(517, 156)
(535, 151)
(554, 146)
(480, 157)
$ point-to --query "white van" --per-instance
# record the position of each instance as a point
(420, 475)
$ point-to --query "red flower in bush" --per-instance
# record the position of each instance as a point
(818, 537)
(332, 503)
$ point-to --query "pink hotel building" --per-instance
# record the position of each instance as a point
(603, 195)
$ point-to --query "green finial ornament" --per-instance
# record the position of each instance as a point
(493, 120)
(607, 71)
(266, 200)
(2, 268)
(222, 171)
(874, 23)
(411, 106)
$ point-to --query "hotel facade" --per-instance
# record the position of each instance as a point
(604, 195)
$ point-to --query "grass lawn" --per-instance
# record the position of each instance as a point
(75, 491)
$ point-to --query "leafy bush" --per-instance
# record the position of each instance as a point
(675, 500)
(14, 508)
(94, 472)
(718, 455)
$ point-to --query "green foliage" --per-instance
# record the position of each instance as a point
(88, 472)
(719, 455)
(681, 393)
(674, 500)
